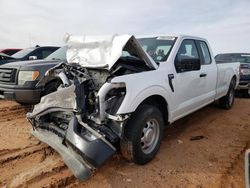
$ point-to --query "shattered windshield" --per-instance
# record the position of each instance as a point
(158, 48)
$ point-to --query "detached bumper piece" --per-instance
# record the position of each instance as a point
(81, 150)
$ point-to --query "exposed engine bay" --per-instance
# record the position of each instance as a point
(80, 119)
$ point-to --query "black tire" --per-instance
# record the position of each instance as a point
(147, 120)
(227, 101)
(50, 87)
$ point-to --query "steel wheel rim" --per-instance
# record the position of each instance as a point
(150, 136)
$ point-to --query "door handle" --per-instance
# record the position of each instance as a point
(170, 78)
(203, 75)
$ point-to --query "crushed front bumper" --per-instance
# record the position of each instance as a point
(57, 121)
(82, 151)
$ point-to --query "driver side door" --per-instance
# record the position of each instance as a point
(187, 81)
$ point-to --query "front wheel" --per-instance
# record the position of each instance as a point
(143, 134)
(227, 101)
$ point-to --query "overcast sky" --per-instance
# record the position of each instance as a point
(225, 23)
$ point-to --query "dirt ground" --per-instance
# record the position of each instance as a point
(216, 160)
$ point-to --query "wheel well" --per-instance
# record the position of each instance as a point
(160, 103)
(234, 77)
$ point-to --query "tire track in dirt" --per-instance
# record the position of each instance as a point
(234, 174)
(210, 162)
(12, 111)
(63, 177)
(21, 153)
(26, 161)
(22, 171)
(45, 170)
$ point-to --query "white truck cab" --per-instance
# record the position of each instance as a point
(186, 86)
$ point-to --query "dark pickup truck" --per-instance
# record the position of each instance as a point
(33, 53)
(18, 79)
(244, 59)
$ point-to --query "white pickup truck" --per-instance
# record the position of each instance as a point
(115, 96)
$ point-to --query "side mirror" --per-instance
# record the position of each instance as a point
(185, 64)
(32, 57)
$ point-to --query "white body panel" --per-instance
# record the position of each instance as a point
(192, 92)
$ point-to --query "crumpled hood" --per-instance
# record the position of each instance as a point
(102, 51)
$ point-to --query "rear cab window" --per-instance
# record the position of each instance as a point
(205, 53)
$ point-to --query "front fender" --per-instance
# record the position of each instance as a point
(142, 85)
(132, 100)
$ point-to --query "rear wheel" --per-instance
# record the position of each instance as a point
(143, 134)
(227, 101)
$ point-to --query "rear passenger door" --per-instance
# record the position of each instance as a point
(208, 72)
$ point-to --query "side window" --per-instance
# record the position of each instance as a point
(46, 53)
(187, 50)
(205, 52)
(37, 53)
(187, 58)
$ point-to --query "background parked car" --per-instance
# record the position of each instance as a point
(34, 53)
(10, 51)
(244, 59)
(18, 79)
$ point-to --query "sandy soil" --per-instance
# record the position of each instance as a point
(216, 160)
